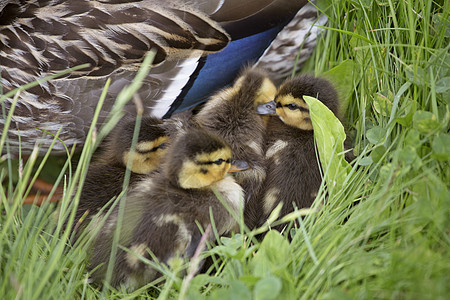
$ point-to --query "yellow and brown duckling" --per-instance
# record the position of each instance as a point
(106, 174)
(162, 211)
(293, 174)
(231, 114)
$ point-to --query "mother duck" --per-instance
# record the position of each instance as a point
(201, 46)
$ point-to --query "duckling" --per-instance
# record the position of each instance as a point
(106, 174)
(232, 114)
(162, 210)
(201, 46)
(293, 172)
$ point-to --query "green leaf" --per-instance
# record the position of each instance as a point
(249, 279)
(442, 85)
(406, 118)
(408, 156)
(200, 280)
(237, 290)
(416, 75)
(413, 139)
(360, 49)
(365, 161)
(377, 153)
(273, 254)
(439, 21)
(383, 104)
(431, 196)
(425, 121)
(267, 288)
(342, 78)
(441, 147)
(376, 134)
(329, 134)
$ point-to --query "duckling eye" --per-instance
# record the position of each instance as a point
(154, 149)
(218, 162)
(162, 146)
(292, 106)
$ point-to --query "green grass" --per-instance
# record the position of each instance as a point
(383, 235)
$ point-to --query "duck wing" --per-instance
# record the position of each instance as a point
(40, 38)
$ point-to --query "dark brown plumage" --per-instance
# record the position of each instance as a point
(106, 174)
(293, 174)
(162, 210)
(231, 114)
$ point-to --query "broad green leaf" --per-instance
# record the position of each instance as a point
(273, 254)
(413, 139)
(433, 203)
(376, 134)
(267, 288)
(440, 61)
(237, 290)
(383, 104)
(342, 78)
(377, 153)
(416, 75)
(439, 21)
(441, 147)
(201, 280)
(442, 85)
(329, 135)
(365, 161)
(446, 96)
(425, 121)
(360, 48)
(408, 156)
(408, 111)
(249, 279)
(234, 242)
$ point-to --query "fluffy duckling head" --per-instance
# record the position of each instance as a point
(290, 106)
(150, 147)
(238, 101)
(198, 159)
(250, 77)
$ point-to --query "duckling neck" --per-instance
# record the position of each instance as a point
(231, 191)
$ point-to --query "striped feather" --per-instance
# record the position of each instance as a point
(280, 57)
(46, 37)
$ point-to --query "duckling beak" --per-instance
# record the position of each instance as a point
(238, 166)
(268, 108)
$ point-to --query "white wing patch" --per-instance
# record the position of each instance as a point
(179, 76)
